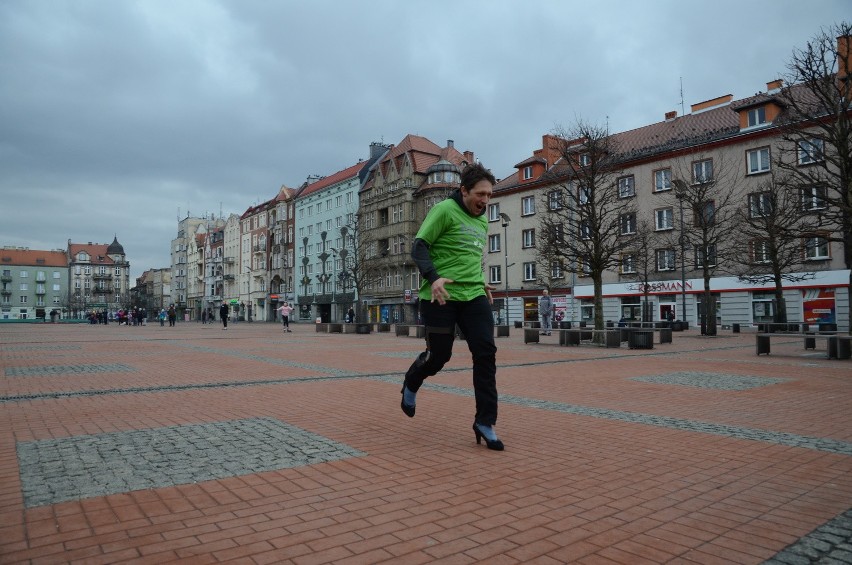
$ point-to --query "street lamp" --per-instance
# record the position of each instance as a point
(680, 194)
(249, 270)
(333, 280)
(506, 219)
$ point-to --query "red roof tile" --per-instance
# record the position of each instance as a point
(33, 258)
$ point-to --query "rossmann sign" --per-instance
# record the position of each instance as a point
(658, 287)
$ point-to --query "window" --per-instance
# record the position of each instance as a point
(628, 264)
(494, 273)
(628, 224)
(528, 205)
(758, 160)
(710, 256)
(528, 173)
(585, 230)
(665, 259)
(529, 271)
(24, 287)
(702, 171)
(24, 299)
(585, 160)
(493, 243)
(664, 219)
(556, 270)
(662, 180)
(810, 151)
(756, 116)
(760, 251)
(813, 198)
(626, 187)
(816, 248)
(528, 238)
(493, 212)
(554, 200)
(760, 204)
(705, 214)
(584, 194)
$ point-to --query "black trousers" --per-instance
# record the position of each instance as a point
(476, 322)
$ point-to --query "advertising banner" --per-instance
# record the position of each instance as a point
(818, 306)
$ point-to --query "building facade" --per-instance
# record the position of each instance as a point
(33, 284)
(731, 146)
(98, 277)
(398, 192)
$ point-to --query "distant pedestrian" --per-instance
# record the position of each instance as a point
(162, 317)
(545, 312)
(285, 310)
(350, 316)
(223, 314)
(172, 315)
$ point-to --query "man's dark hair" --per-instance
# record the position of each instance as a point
(474, 173)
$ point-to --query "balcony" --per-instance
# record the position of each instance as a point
(40, 292)
(229, 260)
(228, 277)
(259, 249)
(6, 292)
(218, 278)
(102, 277)
(6, 279)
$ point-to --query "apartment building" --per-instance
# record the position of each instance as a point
(282, 254)
(33, 283)
(398, 192)
(98, 277)
(180, 246)
(739, 140)
(153, 291)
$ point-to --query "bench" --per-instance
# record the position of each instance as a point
(664, 334)
(405, 330)
(321, 328)
(335, 328)
(502, 331)
(610, 337)
(834, 342)
(383, 327)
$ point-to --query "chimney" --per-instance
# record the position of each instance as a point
(843, 59)
(774, 86)
(449, 143)
(671, 115)
(468, 156)
(712, 103)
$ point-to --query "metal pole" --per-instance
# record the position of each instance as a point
(506, 220)
(682, 262)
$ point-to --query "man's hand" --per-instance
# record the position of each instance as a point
(439, 293)
(488, 290)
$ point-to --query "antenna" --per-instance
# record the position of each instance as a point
(682, 110)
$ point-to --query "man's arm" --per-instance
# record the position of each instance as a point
(420, 254)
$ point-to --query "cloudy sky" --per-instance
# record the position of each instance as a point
(116, 116)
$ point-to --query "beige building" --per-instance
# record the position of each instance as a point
(99, 277)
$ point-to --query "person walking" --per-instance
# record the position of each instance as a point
(172, 315)
(285, 309)
(545, 312)
(223, 314)
(448, 252)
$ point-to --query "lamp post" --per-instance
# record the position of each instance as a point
(506, 219)
(680, 194)
(248, 289)
(333, 280)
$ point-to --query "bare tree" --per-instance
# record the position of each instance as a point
(769, 241)
(361, 260)
(818, 131)
(710, 196)
(584, 228)
(640, 260)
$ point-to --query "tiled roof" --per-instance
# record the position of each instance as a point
(328, 181)
(97, 252)
(33, 258)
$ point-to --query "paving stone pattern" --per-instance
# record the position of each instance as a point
(43, 370)
(830, 544)
(58, 470)
(718, 381)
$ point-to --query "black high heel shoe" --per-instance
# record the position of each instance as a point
(496, 444)
(409, 410)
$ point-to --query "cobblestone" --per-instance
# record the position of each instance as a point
(67, 369)
(718, 381)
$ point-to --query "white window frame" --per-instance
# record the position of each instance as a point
(757, 161)
(494, 212)
(527, 205)
(664, 219)
(554, 200)
(626, 186)
(627, 224)
(662, 180)
(810, 151)
(494, 243)
(702, 171)
(495, 274)
(817, 248)
(665, 259)
(759, 204)
(628, 264)
(529, 271)
(813, 198)
(756, 116)
(699, 256)
(556, 271)
(528, 172)
(759, 251)
(528, 238)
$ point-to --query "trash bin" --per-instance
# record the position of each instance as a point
(736, 328)
(610, 324)
(518, 325)
(640, 339)
(566, 325)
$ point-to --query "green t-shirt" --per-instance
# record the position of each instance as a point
(456, 241)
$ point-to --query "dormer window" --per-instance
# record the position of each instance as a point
(757, 116)
(82, 256)
(528, 172)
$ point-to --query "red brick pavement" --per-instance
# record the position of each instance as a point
(570, 488)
